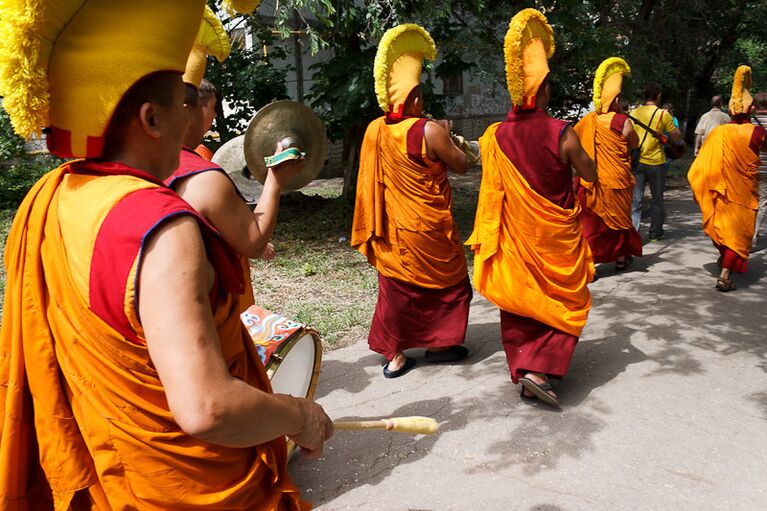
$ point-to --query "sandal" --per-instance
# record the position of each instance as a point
(624, 265)
(540, 390)
(725, 285)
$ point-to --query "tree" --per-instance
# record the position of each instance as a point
(691, 47)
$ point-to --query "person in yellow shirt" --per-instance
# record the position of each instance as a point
(652, 159)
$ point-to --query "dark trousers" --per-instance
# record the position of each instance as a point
(656, 176)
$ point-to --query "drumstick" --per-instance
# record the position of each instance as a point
(414, 425)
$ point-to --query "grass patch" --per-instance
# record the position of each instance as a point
(317, 278)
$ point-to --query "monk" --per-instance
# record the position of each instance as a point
(128, 380)
(211, 192)
(725, 181)
(530, 256)
(608, 137)
(210, 105)
(207, 187)
(402, 219)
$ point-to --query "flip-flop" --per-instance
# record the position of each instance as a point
(407, 366)
(452, 354)
(540, 391)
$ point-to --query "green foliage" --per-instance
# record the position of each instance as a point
(249, 78)
(11, 145)
(343, 92)
(18, 176)
(690, 47)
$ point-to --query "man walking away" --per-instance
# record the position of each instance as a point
(709, 121)
(652, 159)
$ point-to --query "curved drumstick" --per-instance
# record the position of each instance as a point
(414, 425)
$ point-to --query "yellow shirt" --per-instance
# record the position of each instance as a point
(652, 152)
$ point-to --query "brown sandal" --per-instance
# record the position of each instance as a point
(725, 285)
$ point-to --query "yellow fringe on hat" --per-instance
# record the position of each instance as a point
(514, 43)
(741, 81)
(23, 65)
(606, 69)
(385, 57)
(241, 6)
(213, 36)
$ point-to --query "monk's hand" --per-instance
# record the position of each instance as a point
(316, 429)
(285, 171)
(269, 252)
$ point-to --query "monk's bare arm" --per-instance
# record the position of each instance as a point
(571, 150)
(630, 135)
(204, 399)
(214, 196)
(439, 146)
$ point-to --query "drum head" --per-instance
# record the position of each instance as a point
(293, 368)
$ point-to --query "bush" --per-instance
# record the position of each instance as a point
(11, 145)
(18, 176)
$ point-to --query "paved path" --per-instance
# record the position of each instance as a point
(665, 406)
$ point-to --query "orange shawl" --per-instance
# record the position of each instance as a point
(725, 182)
(610, 196)
(530, 256)
(83, 407)
(402, 217)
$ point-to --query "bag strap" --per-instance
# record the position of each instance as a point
(647, 128)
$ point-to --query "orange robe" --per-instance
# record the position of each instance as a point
(530, 257)
(204, 152)
(725, 182)
(606, 203)
(190, 164)
(85, 418)
(403, 224)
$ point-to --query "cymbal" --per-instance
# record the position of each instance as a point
(277, 122)
(231, 158)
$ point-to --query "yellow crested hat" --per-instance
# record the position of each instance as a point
(399, 63)
(66, 64)
(211, 40)
(741, 100)
(527, 48)
(608, 82)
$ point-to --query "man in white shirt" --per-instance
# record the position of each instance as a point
(709, 121)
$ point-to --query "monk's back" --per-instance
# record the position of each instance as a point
(530, 139)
